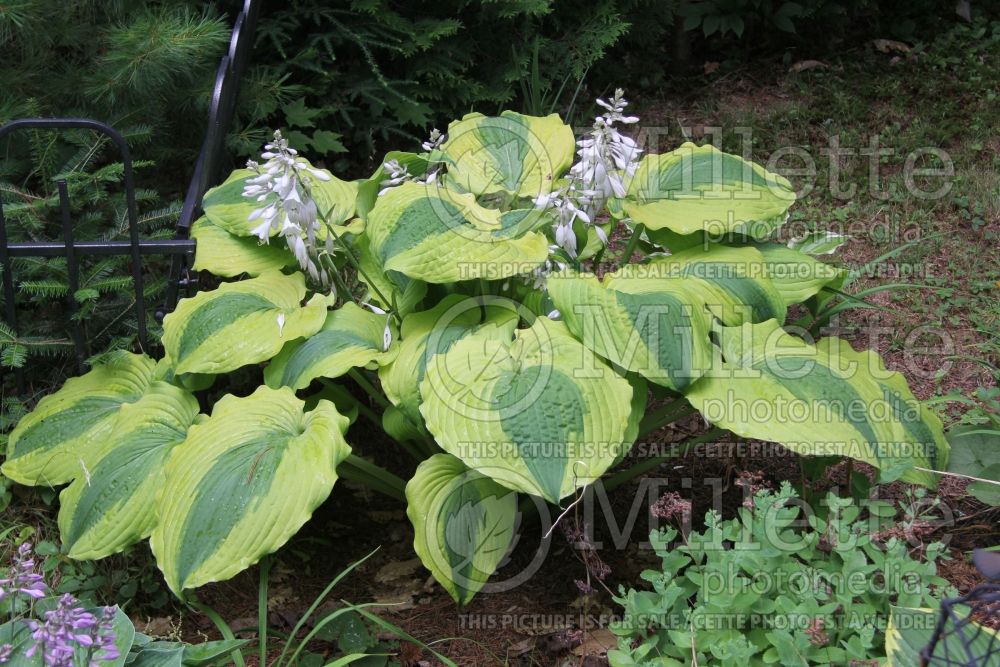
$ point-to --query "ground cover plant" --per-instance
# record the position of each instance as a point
(767, 592)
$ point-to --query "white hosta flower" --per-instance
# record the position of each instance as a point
(289, 211)
(386, 336)
(540, 275)
(399, 174)
(596, 176)
(434, 142)
(387, 331)
(281, 323)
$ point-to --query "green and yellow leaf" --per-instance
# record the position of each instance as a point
(733, 283)
(48, 444)
(242, 483)
(224, 254)
(540, 414)
(511, 153)
(796, 275)
(423, 336)
(439, 236)
(463, 524)
(656, 327)
(699, 188)
(240, 323)
(351, 337)
(823, 400)
(112, 505)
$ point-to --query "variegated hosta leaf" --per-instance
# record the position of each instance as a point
(240, 323)
(820, 400)
(242, 483)
(640, 395)
(224, 254)
(796, 275)
(651, 326)
(427, 334)
(439, 236)
(732, 282)
(511, 153)
(48, 444)
(540, 414)
(350, 337)
(463, 524)
(113, 503)
(699, 188)
(226, 206)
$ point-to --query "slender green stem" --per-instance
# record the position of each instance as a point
(223, 629)
(665, 414)
(633, 242)
(265, 571)
(364, 383)
(349, 252)
(677, 449)
(377, 478)
(338, 279)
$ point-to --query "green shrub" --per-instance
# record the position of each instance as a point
(382, 73)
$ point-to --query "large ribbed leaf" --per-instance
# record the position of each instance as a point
(796, 275)
(225, 254)
(240, 323)
(243, 482)
(226, 206)
(463, 523)
(427, 334)
(699, 188)
(820, 400)
(540, 414)
(511, 153)
(439, 236)
(49, 444)
(350, 337)
(113, 503)
(657, 327)
(732, 282)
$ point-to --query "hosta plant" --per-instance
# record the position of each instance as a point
(478, 293)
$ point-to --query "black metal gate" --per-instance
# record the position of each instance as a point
(180, 248)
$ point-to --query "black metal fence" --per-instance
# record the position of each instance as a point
(181, 248)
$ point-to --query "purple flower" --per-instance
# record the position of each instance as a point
(22, 578)
(69, 634)
(66, 628)
(104, 637)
